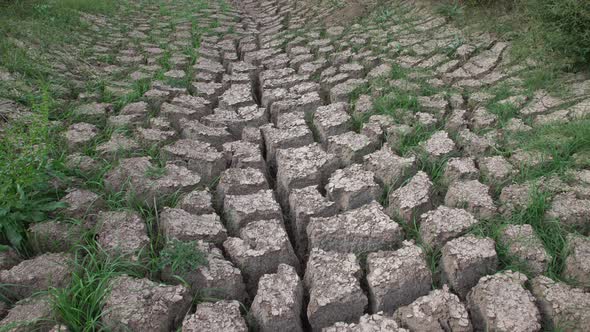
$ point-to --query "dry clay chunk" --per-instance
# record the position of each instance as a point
(335, 292)
(219, 316)
(473, 196)
(277, 305)
(396, 278)
(31, 314)
(465, 260)
(360, 230)
(523, 243)
(240, 210)
(440, 311)
(413, 199)
(181, 225)
(562, 306)
(577, 263)
(36, 274)
(123, 233)
(501, 303)
(444, 224)
(368, 323)
(352, 187)
(218, 278)
(304, 204)
(262, 246)
(143, 305)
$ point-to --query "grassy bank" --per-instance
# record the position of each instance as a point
(554, 33)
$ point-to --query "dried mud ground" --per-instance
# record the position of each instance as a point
(243, 166)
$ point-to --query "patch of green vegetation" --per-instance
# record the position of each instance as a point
(433, 255)
(410, 141)
(181, 257)
(552, 234)
(26, 166)
(29, 28)
(451, 10)
(155, 172)
(435, 169)
(555, 34)
(558, 142)
(79, 305)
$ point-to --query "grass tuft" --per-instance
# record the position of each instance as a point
(80, 304)
(181, 257)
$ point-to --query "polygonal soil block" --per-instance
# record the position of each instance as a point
(501, 303)
(561, 305)
(465, 260)
(360, 230)
(218, 278)
(216, 316)
(143, 305)
(525, 245)
(331, 120)
(243, 154)
(35, 313)
(369, 323)
(460, 169)
(239, 210)
(195, 130)
(276, 139)
(397, 278)
(143, 181)
(440, 310)
(413, 199)
(577, 263)
(443, 224)
(54, 236)
(335, 294)
(389, 169)
(352, 187)
(350, 147)
(262, 246)
(80, 135)
(36, 274)
(473, 196)
(197, 156)
(238, 181)
(197, 202)
(438, 146)
(302, 167)
(181, 225)
(123, 234)
(279, 300)
(571, 211)
(82, 204)
(304, 204)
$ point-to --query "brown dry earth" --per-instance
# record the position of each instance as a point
(294, 228)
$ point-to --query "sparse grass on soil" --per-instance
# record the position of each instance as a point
(79, 306)
(553, 33)
(35, 35)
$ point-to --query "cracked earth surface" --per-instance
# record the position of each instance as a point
(311, 211)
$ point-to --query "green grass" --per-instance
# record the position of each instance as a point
(450, 10)
(559, 141)
(26, 167)
(79, 305)
(409, 142)
(46, 24)
(432, 255)
(555, 33)
(551, 233)
(181, 257)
